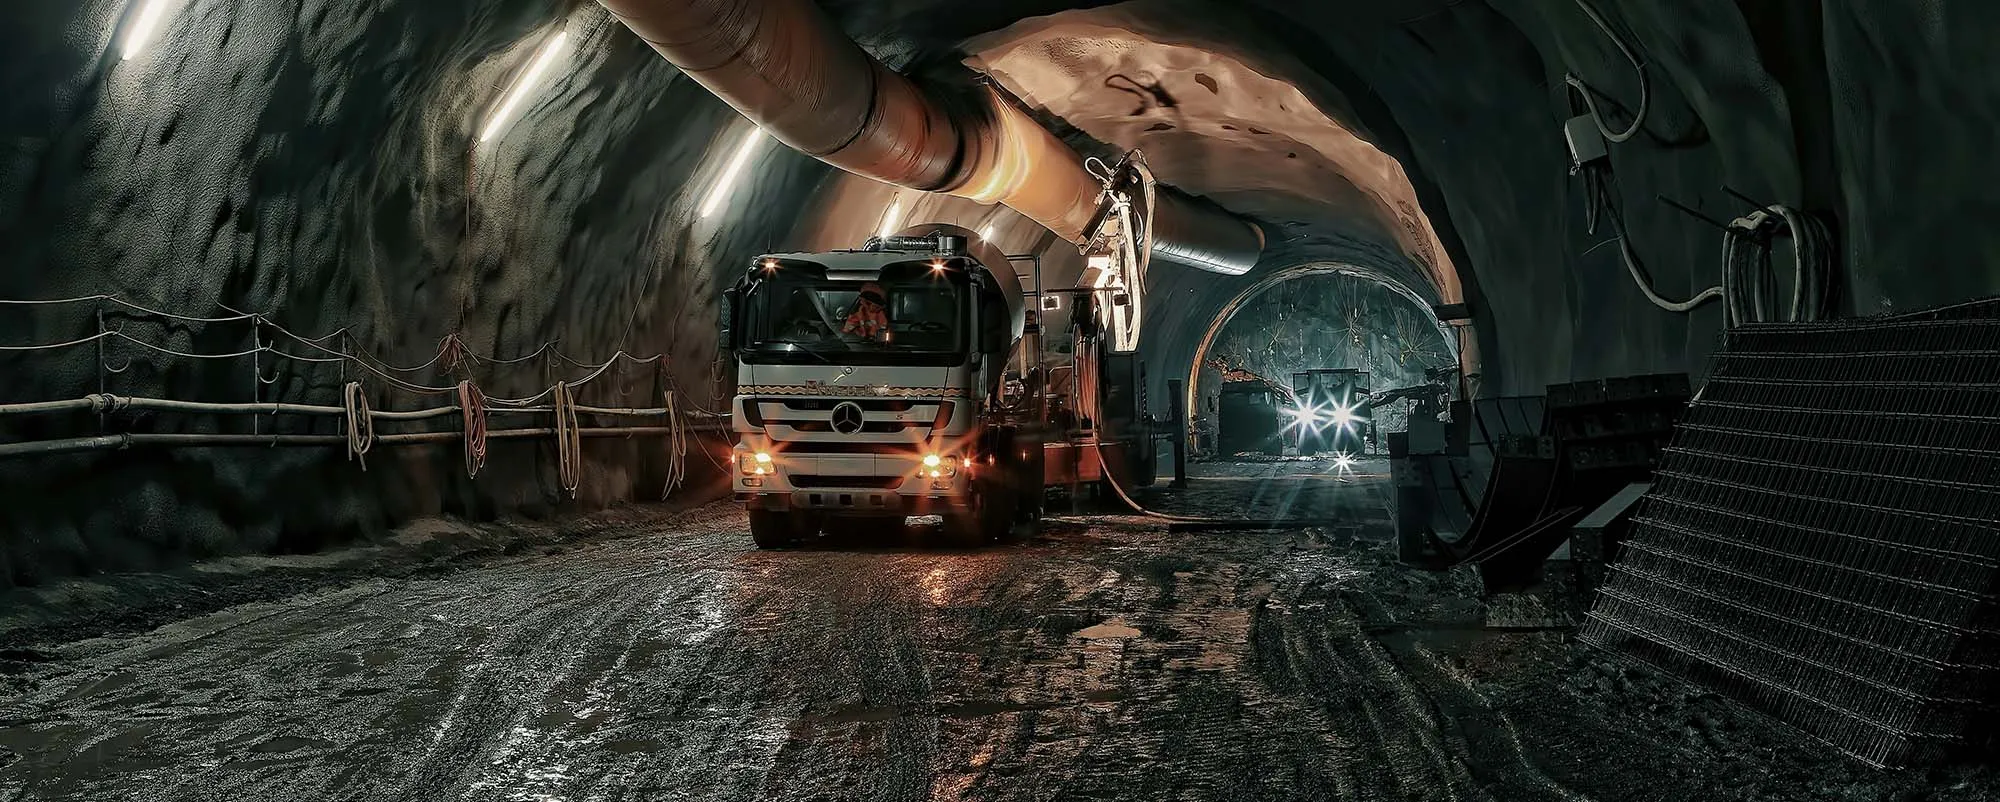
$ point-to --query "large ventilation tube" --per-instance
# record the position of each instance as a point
(788, 68)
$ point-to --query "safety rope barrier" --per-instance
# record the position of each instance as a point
(473, 407)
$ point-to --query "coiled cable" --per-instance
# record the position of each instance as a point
(360, 422)
(569, 440)
(472, 406)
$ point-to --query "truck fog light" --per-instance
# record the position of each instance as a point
(753, 481)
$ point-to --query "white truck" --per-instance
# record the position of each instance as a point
(885, 382)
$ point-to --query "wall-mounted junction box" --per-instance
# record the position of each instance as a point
(1586, 143)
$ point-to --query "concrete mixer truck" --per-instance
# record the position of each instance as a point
(898, 379)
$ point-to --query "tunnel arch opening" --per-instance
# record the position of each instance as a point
(1413, 321)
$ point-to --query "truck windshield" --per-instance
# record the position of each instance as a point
(916, 320)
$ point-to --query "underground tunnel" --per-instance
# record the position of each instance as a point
(899, 399)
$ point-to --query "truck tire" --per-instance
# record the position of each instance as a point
(774, 529)
(990, 517)
(1028, 503)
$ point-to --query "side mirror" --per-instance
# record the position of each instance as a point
(726, 311)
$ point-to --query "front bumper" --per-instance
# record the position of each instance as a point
(859, 502)
(874, 484)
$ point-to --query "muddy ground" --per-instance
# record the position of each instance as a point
(651, 653)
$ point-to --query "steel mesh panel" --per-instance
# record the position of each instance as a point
(1820, 539)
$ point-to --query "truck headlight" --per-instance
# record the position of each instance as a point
(755, 464)
(940, 466)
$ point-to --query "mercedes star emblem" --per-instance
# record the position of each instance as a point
(847, 418)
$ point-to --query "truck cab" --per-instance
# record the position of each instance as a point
(869, 388)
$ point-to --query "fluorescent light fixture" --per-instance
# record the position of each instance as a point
(526, 84)
(144, 25)
(890, 219)
(727, 181)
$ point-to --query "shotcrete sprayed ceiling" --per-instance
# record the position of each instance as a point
(1222, 113)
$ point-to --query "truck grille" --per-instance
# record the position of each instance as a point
(866, 404)
(854, 482)
(868, 427)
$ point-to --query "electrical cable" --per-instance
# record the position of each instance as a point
(1631, 260)
(1746, 258)
(676, 447)
(184, 354)
(52, 346)
(569, 446)
(360, 424)
(1590, 102)
(472, 403)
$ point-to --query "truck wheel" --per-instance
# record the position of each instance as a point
(772, 529)
(989, 518)
(1028, 504)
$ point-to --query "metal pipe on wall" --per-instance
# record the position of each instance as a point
(788, 68)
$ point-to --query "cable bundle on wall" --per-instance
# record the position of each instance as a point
(472, 406)
(360, 423)
(1747, 273)
(676, 446)
(569, 444)
(1748, 289)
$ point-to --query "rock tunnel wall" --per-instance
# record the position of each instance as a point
(1871, 114)
(1869, 111)
(312, 161)
(309, 160)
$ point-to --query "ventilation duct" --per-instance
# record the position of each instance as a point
(785, 65)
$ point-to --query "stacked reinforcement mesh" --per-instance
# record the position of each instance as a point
(1821, 540)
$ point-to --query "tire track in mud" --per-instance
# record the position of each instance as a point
(1088, 663)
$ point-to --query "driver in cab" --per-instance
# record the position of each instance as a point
(869, 319)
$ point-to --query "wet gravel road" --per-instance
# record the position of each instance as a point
(1112, 660)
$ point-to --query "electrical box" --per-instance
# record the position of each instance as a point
(1586, 143)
